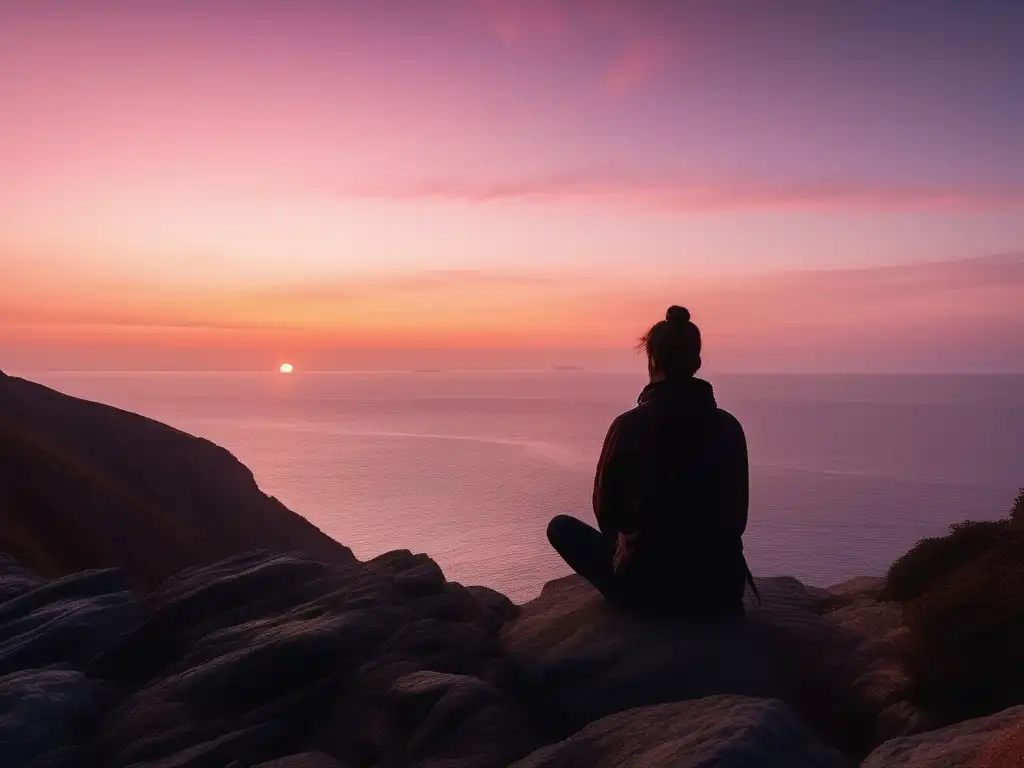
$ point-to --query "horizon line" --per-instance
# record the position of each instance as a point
(550, 369)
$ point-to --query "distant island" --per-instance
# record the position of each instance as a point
(568, 368)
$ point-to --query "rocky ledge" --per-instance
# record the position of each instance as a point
(293, 654)
(278, 660)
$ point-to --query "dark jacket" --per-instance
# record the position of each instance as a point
(672, 490)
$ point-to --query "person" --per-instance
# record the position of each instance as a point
(670, 493)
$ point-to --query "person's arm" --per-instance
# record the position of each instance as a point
(611, 484)
(736, 475)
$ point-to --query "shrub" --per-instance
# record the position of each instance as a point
(966, 636)
(933, 560)
(1017, 513)
(963, 598)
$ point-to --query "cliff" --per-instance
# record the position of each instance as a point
(257, 641)
(84, 485)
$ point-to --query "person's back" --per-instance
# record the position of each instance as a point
(670, 493)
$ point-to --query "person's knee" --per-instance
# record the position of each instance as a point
(557, 527)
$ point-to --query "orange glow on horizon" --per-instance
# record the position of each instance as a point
(212, 184)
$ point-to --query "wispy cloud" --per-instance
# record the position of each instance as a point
(420, 282)
(684, 195)
(956, 315)
(518, 21)
(813, 295)
(331, 301)
(624, 41)
(638, 65)
(960, 315)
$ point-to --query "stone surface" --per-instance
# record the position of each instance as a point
(877, 627)
(455, 720)
(42, 710)
(68, 621)
(996, 741)
(586, 660)
(1005, 751)
(303, 760)
(582, 660)
(275, 658)
(719, 731)
(267, 655)
(15, 579)
(49, 633)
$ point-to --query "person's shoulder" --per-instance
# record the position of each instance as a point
(624, 419)
(628, 421)
(729, 423)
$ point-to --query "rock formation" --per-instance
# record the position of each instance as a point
(717, 730)
(585, 661)
(233, 633)
(996, 741)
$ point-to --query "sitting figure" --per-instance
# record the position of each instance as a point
(670, 495)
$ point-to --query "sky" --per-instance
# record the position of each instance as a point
(828, 186)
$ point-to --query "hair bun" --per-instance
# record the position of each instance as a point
(677, 314)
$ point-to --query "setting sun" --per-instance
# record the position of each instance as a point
(286, 368)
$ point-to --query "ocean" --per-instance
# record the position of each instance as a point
(847, 472)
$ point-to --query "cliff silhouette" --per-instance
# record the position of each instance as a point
(91, 486)
(157, 609)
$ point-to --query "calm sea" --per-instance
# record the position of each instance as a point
(847, 471)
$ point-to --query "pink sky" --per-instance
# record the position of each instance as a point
(353, 184)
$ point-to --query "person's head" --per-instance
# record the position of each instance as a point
(672, 346)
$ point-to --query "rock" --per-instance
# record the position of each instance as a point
(1006, 751)
(84, 485)
(200, 601)
(303, 760)
(580, 659)
(498, 608)
(320, 655)
(68, 621)
(83, 585)
(878, 628)
(242, 747)
(847, 591)
(987, 742)
(42, 710)
(15, 579)
(66, 757)
(455, 720)
(414, 575)
(719, 730)
(49, 632)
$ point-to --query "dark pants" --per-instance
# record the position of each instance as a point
(590, 553)
(585, 549)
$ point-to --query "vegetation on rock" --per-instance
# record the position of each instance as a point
(963, 597)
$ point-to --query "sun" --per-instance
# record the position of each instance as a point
(286, 368)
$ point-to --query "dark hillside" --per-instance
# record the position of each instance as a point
(85, 485)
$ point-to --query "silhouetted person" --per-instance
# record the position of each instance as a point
(670, 494)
